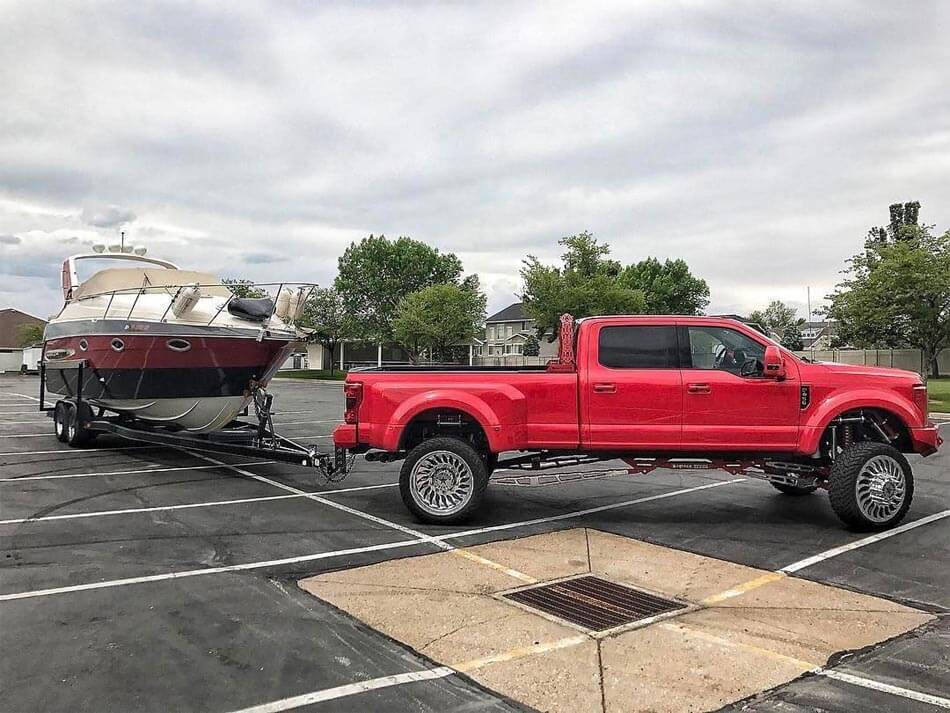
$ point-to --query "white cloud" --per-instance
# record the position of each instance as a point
(756, 141)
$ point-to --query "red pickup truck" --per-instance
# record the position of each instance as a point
(671, 392)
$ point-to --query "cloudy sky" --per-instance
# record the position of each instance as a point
(757, 140)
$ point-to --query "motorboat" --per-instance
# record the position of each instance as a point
(167, 346)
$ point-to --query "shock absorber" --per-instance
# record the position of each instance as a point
(847, 435)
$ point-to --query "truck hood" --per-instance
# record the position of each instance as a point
(861, 370)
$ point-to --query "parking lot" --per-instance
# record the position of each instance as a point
(142, 578)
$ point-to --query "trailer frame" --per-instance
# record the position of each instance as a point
(245, 438)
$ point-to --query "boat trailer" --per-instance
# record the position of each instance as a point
(77, 421)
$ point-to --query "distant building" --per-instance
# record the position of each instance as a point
(819, 335)
(506, 333)
(11, 321)
(11, 351)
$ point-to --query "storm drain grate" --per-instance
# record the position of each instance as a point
(594, 603)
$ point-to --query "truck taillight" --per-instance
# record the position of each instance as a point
(920, 399)
(353, 393)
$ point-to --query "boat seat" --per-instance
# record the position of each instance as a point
(255, 310)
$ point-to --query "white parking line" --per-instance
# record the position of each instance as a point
(835, 551)
(108, 584)
(76, 452)
(350, 689)
(150, 469)
(22, 396)
(29, 435)
(341, 553)
(937, 701)
(184, 506)
(323, 501)
(590, 511)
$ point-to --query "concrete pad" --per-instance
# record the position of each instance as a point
(664, 669)
(561, 680)
(752, 630)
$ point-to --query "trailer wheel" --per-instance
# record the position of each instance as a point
(77, 434)
(60, 420)
(795, 490)
(443, 481)
(871, 486)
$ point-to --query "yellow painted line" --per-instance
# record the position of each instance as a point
(521, 652)
(495, 565)
(743, 588)
(712, 638)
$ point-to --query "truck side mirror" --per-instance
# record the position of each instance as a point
(774, 363)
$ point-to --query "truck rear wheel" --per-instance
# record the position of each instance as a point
(443, 481)
(871, 486)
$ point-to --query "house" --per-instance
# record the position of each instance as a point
(11, 351)
(506, 333)
(819, 335)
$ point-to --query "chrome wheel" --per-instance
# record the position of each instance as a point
(880, 488)
(441, 482)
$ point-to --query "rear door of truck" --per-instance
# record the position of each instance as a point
(631, 387)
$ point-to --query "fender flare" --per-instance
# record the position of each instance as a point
(472, 406)
(816, 424)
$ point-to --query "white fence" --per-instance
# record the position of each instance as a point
(909, 359)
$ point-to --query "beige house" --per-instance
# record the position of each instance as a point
(506, 333)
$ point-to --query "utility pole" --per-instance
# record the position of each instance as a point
(809, 302)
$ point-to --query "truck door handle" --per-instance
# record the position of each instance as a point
(605, 388)
(698, 388)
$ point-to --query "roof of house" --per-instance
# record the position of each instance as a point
(10, 322)
(511, 313)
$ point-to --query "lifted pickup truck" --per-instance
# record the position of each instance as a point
(656, 392)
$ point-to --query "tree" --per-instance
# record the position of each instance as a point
(327, 317)
(28, 334)
(897, 292)
(669, 287)
(243, 288)
(376, 274)
(438, 318)
(792, 337)
(532, 347)
(586, 284)
(776, 317)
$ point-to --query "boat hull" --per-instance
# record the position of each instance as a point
(190, 381)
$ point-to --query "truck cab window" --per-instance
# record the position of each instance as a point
(724, 349)
(641, 347)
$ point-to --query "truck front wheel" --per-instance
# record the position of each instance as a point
(443, 481)
(871, 486)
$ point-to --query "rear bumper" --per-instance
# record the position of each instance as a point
(345, 436)
(926, 439)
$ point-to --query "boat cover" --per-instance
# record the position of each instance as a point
(127, 278)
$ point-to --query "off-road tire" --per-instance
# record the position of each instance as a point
(77, 435)
(795, 490)
(842, 487)
(491, 462)
(60, 420)
(459, 448)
